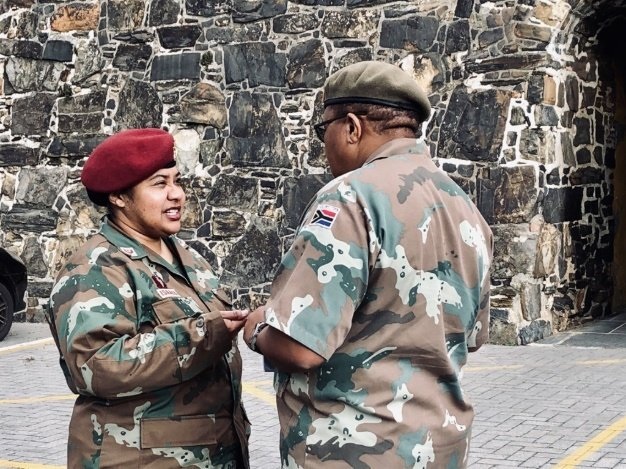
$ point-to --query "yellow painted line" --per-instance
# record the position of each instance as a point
(593, 445)
(27, 400)
(491, 368)
(27, 345)
(5, 464)
(614, 361)
(259, 393)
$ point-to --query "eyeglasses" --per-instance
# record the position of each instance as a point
(320, 127)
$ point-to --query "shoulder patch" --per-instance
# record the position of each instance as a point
(325, 216)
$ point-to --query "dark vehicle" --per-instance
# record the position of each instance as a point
(13, 281)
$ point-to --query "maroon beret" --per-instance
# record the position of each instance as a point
(127, 158)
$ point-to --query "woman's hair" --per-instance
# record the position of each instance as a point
(382, 118)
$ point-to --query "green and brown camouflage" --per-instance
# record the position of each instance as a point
(388, 280)
(145, 347)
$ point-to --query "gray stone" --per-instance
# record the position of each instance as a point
(228, 223)
(412, 34)
(491, 36)
(24, 75)
(458, 37)
(139, 106)
(295, 23)
(515, 250)
(22, 219)
(130, 57)
(93, 101)
(562, 204)
(163, 12)
(534, 95)
(474, 124)
(572, 94)
(27, 49)
(298, 192)
(583, 131)
(537, 145)
(183, 66)
(349, 24)
(248, 32)
(31, 114)
(567, 149)
(510, 195)
(537, 330)
(125, 15)
(33, 257)
(546, 116)
(73, 146)
(234, 192)
(61, 51)
(585, 176)
(245, 11)
(177, 37)
(40, 186)
(502, 331)
(530, 297)
(257, 62)
(204, 104)
(306, 67)
(463, 8)
(526, 61)
(255, 137)
(82, 123)
(89, 61)
(549, 251)
(518, 116)
(350, 57)
(208, 9)
(14, 154)
(254, 258)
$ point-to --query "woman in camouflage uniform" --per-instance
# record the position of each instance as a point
(144, 335)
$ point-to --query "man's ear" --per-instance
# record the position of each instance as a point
(355, 128)
(117, 200)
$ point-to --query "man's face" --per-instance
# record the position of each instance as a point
(336, 143)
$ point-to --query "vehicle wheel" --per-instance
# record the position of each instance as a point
(6, 311)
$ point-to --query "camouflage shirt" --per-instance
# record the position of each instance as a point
(145, 347)
(387, 279)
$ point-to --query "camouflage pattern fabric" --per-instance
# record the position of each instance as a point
(146, 349)
(387, 279)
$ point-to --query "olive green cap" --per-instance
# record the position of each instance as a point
(373, 82)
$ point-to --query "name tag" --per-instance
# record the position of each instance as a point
(167, 293)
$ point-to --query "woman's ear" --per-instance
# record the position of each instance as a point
(355, 128)
(117, 200)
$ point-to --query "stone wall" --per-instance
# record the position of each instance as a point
(522, 119)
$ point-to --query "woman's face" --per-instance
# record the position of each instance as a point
(153, 207)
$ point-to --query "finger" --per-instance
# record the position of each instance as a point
(235, 314)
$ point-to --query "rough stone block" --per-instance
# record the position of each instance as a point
(183, 66)
(139, 106)
(31, 114)
(204, 104)
(177, 37)
(349, 24)
(413, 34)
(22, 219)
(256, 61)
(75, 17)
(306, 67)
(130, 57)
(458, 37)
(562, 204)
(474, 124)
(515, 250)
(537, 330)
(245, 11)
(163, 12)
(295, 23)
(14, 154)
(61, 51)
(298, 192)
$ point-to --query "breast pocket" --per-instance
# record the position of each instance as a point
(173, 309)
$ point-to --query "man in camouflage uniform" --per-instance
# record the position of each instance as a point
(382, 294)
(144, 344)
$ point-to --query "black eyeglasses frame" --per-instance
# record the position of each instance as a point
(320, 127)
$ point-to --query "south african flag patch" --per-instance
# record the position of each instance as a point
(325, 215)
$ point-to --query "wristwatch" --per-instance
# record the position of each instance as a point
(255, 335)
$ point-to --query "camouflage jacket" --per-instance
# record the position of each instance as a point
(146, 349)
(387, 279)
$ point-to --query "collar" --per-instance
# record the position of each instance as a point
(129, 246)
(399, 146)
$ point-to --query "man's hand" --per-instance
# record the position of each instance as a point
(235, 320)
(254, 317)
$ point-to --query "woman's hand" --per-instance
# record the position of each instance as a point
(235, 320)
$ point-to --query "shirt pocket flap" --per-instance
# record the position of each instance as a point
(194, 430)
(172, 309)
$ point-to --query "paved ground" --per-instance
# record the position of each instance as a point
(557, 404)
